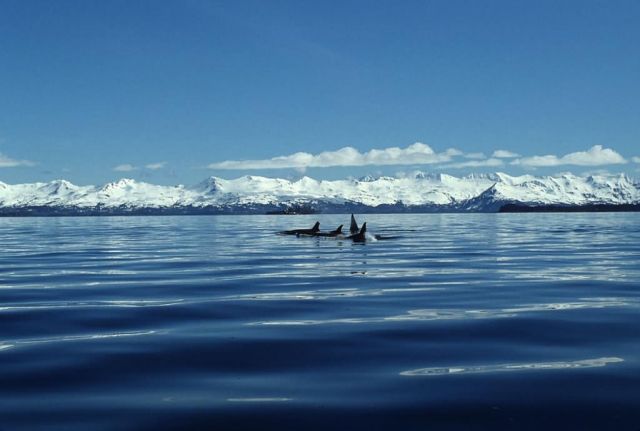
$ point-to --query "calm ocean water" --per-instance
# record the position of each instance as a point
(467, 321)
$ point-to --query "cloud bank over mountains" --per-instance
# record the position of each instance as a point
(415, 154)
(595, 156)
(423, 154)
(504, 154)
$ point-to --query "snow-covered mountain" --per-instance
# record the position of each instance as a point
(565, 190)
(253, 194)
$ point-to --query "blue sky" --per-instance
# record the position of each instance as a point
(172, 92)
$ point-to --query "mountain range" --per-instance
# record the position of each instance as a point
(420, 192)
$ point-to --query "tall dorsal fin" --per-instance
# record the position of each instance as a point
(316, 227)
(339, 230)
(354, 225)
(364, 228)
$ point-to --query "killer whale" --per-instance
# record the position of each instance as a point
(360, 236)
(332, 234)
(313, 231)
(357, 234)
(356, 231)
(354, 226)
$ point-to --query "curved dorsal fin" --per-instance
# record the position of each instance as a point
(354, 225)
(364, 228)
(339, 230)
(316, 227)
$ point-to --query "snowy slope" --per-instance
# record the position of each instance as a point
(471, 193)
(418, 190)
(569, 190)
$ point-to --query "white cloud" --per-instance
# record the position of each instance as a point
(636, 159)
(156, 166)
(453, 152)
(475, 156)
(595, 156)
(504, 154)
(8, 162)
(416, 154)
(125, 168)
(492, 162)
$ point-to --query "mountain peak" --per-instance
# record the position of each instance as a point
(210, 185)
(481, 192)
(122, 183)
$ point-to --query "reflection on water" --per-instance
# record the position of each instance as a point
(91, 304)
(84, 337)
(443, 314)
(258, 400)
(544, 366)
(313, 295)
(217, 323)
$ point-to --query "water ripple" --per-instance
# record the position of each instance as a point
(216, 322)
(458, 314)
(534, 366)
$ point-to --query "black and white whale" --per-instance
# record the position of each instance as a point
(357, 234)
(356, 231)
(332, 234)
(313, 231)
(360, 236)
(354, 226)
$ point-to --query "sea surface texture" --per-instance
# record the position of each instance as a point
(463, 321)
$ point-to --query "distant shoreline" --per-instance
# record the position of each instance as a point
(385, 209)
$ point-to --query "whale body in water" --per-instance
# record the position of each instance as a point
(360, 236)
(357, 234)
(332, 234)
(314, 230)
(355, 230)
